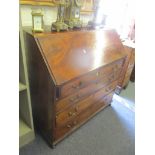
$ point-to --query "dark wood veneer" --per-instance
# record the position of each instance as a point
(73, 76)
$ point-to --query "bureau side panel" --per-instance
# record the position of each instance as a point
(42, 89)
(129, 59)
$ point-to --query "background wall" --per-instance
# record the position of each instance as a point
(50, 15)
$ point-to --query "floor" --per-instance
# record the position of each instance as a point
(110, 132)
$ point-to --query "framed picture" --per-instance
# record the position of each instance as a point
(88, 6)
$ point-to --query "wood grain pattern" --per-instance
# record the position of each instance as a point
(79, 53)
(83, 116)
(92, 77)
(73, 76)
(74, 110)
(79, 95)
(42, 89)
(128, 66)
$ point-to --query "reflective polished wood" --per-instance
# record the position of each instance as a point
(73, 76)
(71, 54)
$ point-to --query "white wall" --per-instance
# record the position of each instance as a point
(50, 15)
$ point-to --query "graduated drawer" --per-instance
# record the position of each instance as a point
(83, 81)
(83, 116)
(73, 111)
(82, 93)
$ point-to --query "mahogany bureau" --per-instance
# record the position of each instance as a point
(73, 76)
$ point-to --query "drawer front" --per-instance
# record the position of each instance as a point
(85, 80)
(81, 94)
(83, 116)
(74, 110)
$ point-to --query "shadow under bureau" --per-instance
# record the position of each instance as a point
(73, 76)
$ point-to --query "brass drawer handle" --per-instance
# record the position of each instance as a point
(73, 113)
(75, 98)
(77, 86)
(69, 126)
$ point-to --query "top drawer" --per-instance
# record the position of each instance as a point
(87, 79)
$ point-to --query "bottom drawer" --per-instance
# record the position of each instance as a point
(61, 132)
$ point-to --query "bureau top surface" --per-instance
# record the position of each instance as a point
(72, 54)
